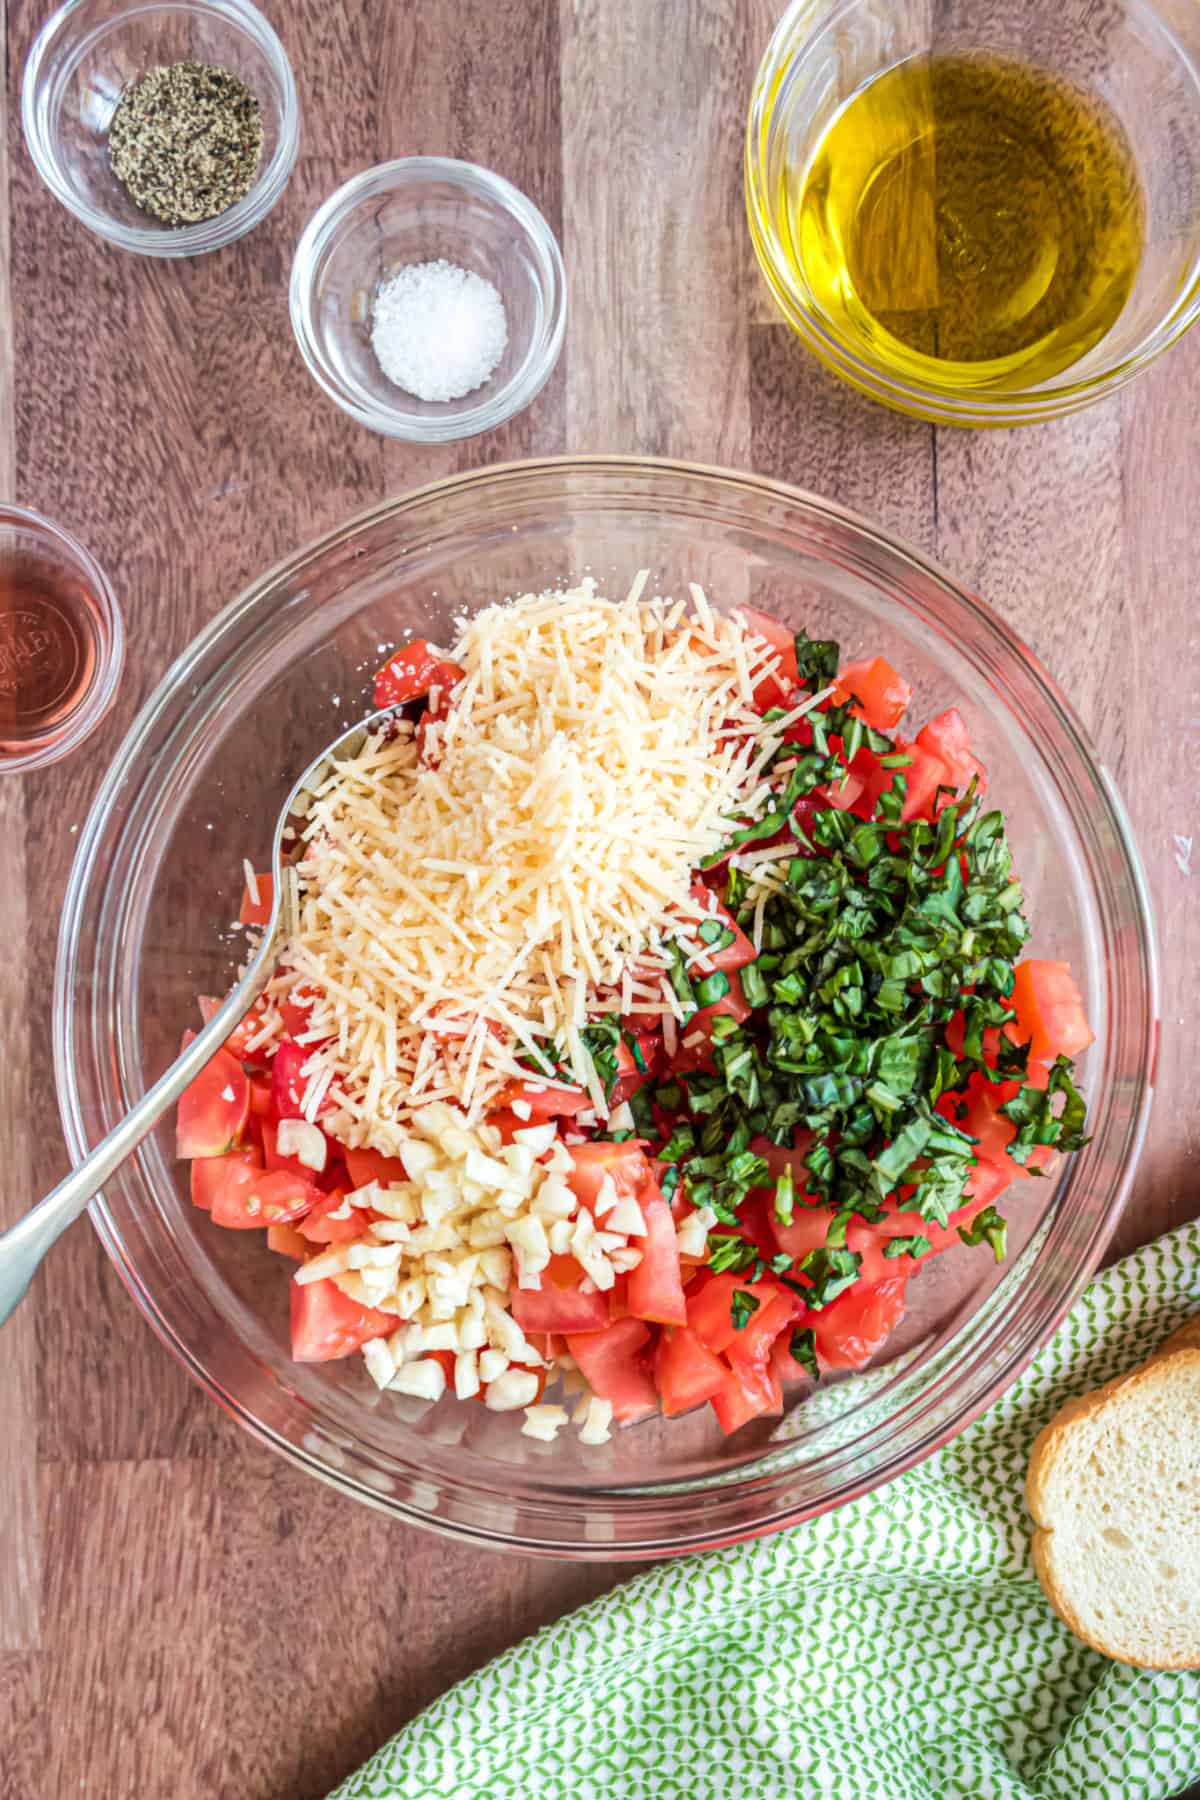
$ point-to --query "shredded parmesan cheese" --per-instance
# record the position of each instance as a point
(451, 921)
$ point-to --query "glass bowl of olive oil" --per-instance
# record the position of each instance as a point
(980, 216)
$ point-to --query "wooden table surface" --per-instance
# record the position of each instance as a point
(180, 1613)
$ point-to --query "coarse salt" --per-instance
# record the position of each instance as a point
(438, 331)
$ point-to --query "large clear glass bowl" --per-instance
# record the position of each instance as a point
(195, 787)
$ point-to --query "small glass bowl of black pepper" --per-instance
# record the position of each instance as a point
(169, 129)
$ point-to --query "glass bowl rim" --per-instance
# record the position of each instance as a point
(1050, 399)
(1029, 1320)
(459, 420)
(168, 241)
(109, 664)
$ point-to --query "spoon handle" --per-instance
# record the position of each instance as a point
(23, 1246)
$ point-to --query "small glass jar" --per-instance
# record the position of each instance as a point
(84, 57)
(62, 643)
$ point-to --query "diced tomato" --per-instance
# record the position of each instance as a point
(695, 1038)
(327, 1324)
(260, 1096)
(1050, 1012)
(757, 1224)
(779, 1157)
(987, 1182)
(239, 1040)
(733, 1005)
(977, 1112)
(285, 1240)
(507, 1124)
(320, 1226)
(296, 1013)
(445, 1360)
(845, 794)
(923, 777)
(562, 1303)
(734, 955)
(287, 1082)
(752, 1344)
(611, 1364)
(335, 1173)
(808, 1230)
(685, 1372)
(283, 1198)
(412, 671)
(365, 1166)
(853, 1327)
(249, 1199)
(773, 689)
(213, 1108)
(437, 709)
(710, 1307)
(809, 1226)
(873, 780)
(258, 912)
(545, 1102)
(883, 695)
(868, 1243)
(631, 1078)
(618, 1299)
(868, 1240)
(749, 1391)
(590, 1163)
(208, 1173)
(656, 1284)
(947, 737)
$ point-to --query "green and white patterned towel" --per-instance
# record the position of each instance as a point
(898, 1649)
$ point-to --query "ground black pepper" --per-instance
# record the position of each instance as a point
(185, 142)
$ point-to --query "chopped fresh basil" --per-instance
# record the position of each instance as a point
(878, 1002)
(830, 1273)
(741, 1306)
(716, 934)
(987, 1227)
(906, 1246)
(729, 1253)
(803, 1348)
(711, 988)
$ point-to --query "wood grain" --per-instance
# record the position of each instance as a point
(653, 231)
(20, 1570)
(181, 1615)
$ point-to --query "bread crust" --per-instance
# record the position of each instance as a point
(1178, 1356)
(1187, 1337)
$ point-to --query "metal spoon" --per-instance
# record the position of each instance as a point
(23, 1246)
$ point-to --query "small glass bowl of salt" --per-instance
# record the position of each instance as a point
(428, 299)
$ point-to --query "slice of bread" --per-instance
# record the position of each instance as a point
(1114, 1489)
(1186, 1338)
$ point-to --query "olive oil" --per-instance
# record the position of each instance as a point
(972, 219)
